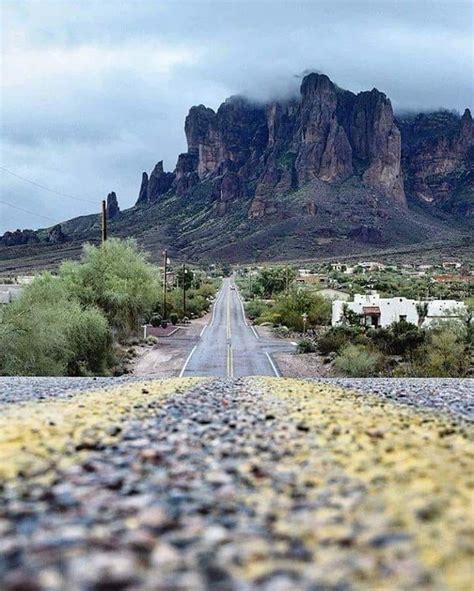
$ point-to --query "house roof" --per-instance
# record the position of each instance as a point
(371, 310)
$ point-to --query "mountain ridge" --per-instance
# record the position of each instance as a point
(329, 172)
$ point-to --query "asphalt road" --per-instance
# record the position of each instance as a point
(228, 346)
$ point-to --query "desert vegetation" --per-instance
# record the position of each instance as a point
(402, 349)
(82, 320)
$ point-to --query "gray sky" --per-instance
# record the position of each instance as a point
(96, 91)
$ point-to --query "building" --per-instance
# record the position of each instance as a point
(380, 312)
(334, 294)
(371, 266)
(9, 292)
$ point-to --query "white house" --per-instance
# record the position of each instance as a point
(9, 292)
(376, 311)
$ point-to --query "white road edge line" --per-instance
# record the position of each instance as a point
(187, 361)
(204, 328)
(243, 310)
(294, 344)
(277, 373)
(257, 336)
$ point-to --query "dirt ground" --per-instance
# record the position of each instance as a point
(166, 358)
(307, 365)
(294, 365)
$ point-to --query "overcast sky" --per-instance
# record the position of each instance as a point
(96, 91)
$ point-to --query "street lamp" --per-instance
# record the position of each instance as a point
(304, 316)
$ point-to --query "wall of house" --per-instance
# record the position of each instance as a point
(391, 309)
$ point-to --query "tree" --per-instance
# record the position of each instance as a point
(422, 311)
(47, 332)
(184, 277)
(273, 280)
(116, 278)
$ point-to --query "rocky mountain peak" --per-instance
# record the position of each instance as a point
(113, 208)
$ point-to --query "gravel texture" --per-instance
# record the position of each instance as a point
(27, 389)
(451, 396)
(223, 485)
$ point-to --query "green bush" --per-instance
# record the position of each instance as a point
(358, 361)
(46, 332)
(156, 320)
(400, 338)
(174, 318)
(306, 346)
(445, 356)
(255, 308)
(116, 278)
(335, 338)
(291, 307)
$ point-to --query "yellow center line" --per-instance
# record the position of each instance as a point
(229, 333)
(230, 361)
(33, 436)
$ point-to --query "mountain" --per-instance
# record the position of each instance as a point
(327, 173)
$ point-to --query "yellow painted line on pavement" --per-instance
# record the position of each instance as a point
(36, 434)
(230, 361)
(228, 327)
(417, 466)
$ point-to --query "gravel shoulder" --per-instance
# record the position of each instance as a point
(222, 485)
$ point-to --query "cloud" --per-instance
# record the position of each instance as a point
(95, 92)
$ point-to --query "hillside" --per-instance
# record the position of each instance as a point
(329, 173)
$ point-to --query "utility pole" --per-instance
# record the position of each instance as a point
(165, 253)
(104, 221)
(185, 271)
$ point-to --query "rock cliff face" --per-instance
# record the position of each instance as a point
(113, 208)
(252, 153)
(326, 173)
(437, 160)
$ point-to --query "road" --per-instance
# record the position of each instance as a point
(228, 346)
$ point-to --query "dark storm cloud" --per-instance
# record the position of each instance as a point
(97, 91)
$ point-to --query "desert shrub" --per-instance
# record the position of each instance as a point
(358, 361)
(400, 338)
(156, 320)
(445, 356)
(174, 318)
(306, 346)
(272, 280)
(337, 337)
(116, 278)
(46, 332)
(164, 324)
(256, 308)
(293, 305)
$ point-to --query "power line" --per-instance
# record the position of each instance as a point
(28, 211)
(45, 188)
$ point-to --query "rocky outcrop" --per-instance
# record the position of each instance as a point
(19, 237)
(56, 235)
(158, 183)
(143, 193)
(252, 156)
(113, 208)
(437, 160)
